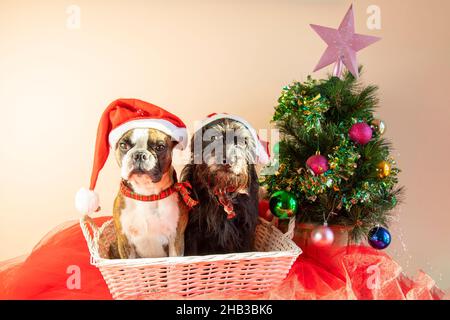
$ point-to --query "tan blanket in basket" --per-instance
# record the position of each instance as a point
(107, 242)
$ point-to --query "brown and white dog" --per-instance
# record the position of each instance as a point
(150, 211)
(148, 224)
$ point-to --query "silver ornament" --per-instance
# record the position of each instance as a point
(378, 126)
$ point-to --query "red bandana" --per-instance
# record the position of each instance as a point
(226, 203)
(183, 188)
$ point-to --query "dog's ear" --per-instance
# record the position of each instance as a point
(173, 144)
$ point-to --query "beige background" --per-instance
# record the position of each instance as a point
(199, 57)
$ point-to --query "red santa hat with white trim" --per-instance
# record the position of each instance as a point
(262, 147)
(119, 117)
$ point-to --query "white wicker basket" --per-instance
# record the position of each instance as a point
(159, 278)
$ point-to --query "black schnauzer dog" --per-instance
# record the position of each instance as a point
(224, 181)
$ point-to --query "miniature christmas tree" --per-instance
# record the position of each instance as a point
(334, 164)
(333, 158)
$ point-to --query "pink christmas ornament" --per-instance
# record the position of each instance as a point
(318, 164)
(343, 43)
(322, 236)
(360, 133)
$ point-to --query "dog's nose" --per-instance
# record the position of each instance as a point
(140, 156)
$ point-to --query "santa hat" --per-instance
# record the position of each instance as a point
(119, 117)
(262, 147)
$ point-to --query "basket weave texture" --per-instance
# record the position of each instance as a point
(191, 276)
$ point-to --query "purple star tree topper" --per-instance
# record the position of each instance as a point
(343, 43)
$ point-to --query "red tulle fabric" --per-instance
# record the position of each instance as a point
(354, 272)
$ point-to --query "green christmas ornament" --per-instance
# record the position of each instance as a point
(283, 204)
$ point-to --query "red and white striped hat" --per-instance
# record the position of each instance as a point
(119, 117)
(262, 147)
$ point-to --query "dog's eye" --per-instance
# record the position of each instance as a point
(160, 147)
(213, 138)
(124, 146)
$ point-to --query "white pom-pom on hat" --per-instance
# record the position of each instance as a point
(86, 201)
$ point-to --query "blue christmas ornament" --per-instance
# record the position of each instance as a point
(379, 238)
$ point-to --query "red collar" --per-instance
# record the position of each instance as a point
(183, 188)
